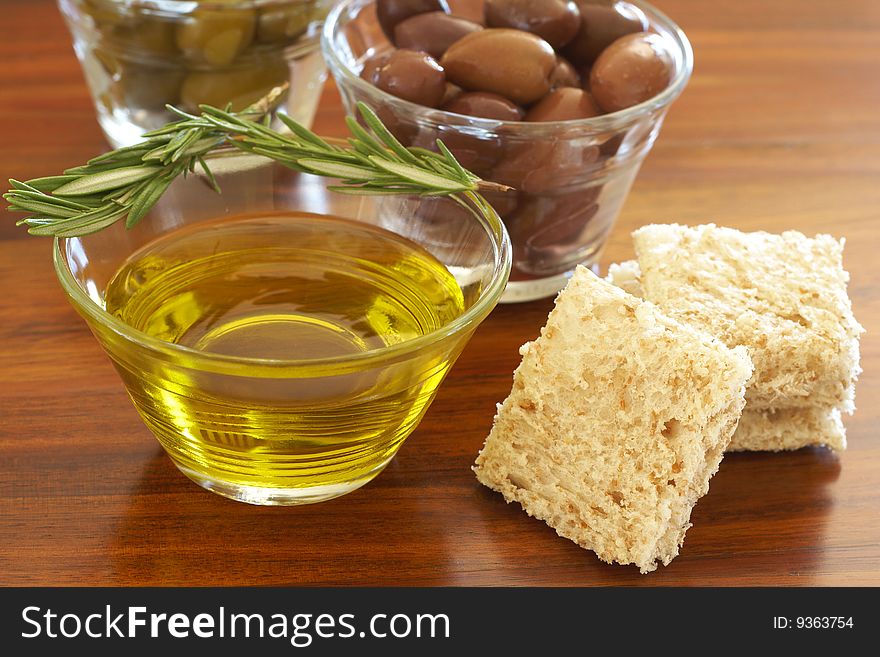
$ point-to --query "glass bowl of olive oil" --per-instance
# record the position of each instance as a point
(281, 340)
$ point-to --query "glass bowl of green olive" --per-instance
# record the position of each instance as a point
(140, 55)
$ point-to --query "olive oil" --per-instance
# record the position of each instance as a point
(249, 294)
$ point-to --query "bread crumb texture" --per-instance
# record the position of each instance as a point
(761, 429)
(776, 430)
(617, 419)
(627, 276)
(782, 296)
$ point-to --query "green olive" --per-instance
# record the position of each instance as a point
(109, 62)
(216, 36)
(107, 101)
(149, 36)
(284, 24)
(149, 87)
(239, 86)
(107, 13)
(322, 8)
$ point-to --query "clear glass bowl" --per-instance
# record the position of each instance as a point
(139, 55)
(571, 178)
(286, 430)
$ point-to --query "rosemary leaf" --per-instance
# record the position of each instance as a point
(35, 220)
(185, 144)
(201, 146)
(451, 159)
(82, 225)
(144, 201)
(209, 174)
(164, 130)
(303, 133)
(368, 191)
(229, 126)
(106, 180)
(363, 138)
(424, 153)
(43, 198)
(47, 184)
(441, 168)
(337, 170)
(94, 226)
(419, 176)
(158, 154)
(384, 134)
(115, 155)
(47, 209)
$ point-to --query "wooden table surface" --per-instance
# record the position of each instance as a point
(778, 129)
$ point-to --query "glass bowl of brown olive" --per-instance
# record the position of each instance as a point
(139, 55)
(560, 100)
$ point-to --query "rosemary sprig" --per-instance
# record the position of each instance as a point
(127, 182)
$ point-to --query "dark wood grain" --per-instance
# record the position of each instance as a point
(779, 128)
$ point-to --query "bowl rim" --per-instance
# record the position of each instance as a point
(303, 367)
(121, 46)
(602, 123)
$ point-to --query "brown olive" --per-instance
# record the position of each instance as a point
(475, 152)
(370, 70)
(505, 203)
(548, 228)
(217, 35)
(486, 106)
(564, 75)
(452, 92)
(610, 146)
(432, 32)
(564, 104)
(413, 76)
(538, 167)
(392, 12)
(240, 86)
(469, 9)
(600, 25)
(555, 21)
(511, 63)
(631, 70)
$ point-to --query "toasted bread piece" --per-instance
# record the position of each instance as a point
(761, 429)
(788, 428)
(617, 419)
(627, 276)
(782, 296)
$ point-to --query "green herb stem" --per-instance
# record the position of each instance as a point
(127, 182)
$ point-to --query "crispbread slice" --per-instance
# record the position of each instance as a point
(761, 429)
(617, 419)
(782, 296)
(788, 428)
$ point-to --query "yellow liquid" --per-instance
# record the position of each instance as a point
(282, 287)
